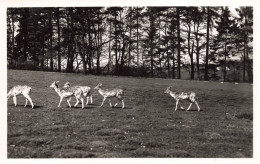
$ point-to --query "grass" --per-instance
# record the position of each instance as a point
(148, 127)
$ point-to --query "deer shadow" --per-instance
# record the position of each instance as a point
(28, 106)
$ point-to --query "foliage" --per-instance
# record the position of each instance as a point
(159, 39)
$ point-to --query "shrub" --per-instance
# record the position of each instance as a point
(25, 65)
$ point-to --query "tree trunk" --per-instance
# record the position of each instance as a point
(225, 61)
(207, 46)
(137, 37)
(130, 45)
(173, 63)
(98, 44)
(190, 51)
(122, 56)
(42, 59)
(178, 46)
(116, 55)
(12, 33)
(82, 52)
(58, 28)
(151, 52)
(89, 47)
(109, 48)
(192, 64)
(70, 59)
(197, 52)
(197, 58)
(24, 31)
(50, 28)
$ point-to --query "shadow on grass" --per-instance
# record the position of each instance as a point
(85, 107)
(191, 110)
(36, 106)
(28, 106)
(121, 107)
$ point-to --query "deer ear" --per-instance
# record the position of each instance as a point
(100, 84)
(57, 82)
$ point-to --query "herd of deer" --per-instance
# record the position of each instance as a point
(68, 91)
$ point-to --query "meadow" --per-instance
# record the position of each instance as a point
(147, 127)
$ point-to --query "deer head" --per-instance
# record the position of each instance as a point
(98, 86)
(168, 90)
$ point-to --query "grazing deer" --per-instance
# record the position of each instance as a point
(108, 93)
(20, 90)
(183, 96)
(86, 90)
(68, 93)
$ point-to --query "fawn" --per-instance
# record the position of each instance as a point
(86, 90)
(109, 93)
(183, 96)
(68, 93)
(20, 90)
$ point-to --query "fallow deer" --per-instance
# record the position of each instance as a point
(86, 90)
(183, 96)
(109, 93)
(68, 93)
(20, 90)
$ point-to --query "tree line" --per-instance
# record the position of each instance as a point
(135, 41)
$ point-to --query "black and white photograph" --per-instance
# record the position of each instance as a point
(116, 81)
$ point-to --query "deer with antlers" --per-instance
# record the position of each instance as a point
(20, 90)
(68, 93)
(191, 97)
(109, 93)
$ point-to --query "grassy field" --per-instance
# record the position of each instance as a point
(147, 127)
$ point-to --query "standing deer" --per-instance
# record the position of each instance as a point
(86, 90)
(183, 96)
(20, 90)
(109, 93)
(68, 93)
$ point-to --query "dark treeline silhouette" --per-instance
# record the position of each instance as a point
(205, 43)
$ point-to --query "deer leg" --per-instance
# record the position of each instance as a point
(177, 101)
(25, 102)
(68, 101)
(120, 99)
(181, 107)
(197, 105)
(77, 101)
(87, 100)
(189, 106)
(123, 104)
(60, 101)
(15, 102)
(28, 97)
(82, 102)
(110, 103)
(91, 99)
(103, 102)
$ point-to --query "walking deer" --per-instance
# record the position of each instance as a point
(68, 93)
(20, 90)
(183, 96)
(110, 93)
(86, 91)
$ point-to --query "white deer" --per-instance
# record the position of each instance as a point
(20, 90)
(68, 93)
(109, 93)
(86, 90)
(183, 96)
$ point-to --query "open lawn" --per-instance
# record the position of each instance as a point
(147, 127)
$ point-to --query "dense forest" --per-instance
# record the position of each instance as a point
(206, 43)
